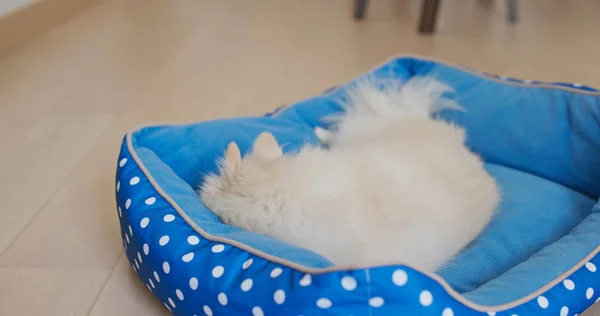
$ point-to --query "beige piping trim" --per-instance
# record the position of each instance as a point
(305, 269)
(492, 78)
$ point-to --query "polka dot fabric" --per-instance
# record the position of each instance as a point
(578, 86)
(192, 275)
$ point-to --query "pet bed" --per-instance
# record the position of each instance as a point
(539, 255)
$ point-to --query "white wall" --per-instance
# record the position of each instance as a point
(9, 6)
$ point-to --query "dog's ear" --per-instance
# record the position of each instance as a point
(233, 157)
(266, 147)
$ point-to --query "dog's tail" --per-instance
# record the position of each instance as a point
(417, 97)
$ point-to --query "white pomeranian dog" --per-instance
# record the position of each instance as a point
(395, 185)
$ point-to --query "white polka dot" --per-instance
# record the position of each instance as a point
(150, 201)
(187, 257)
(589, 293)
(349, 283)
(169, 218)
(134, 269)
(447, 312)
(306, 280)
(504, 77)
(167, 306)
(144, 222)
(399, 277)
(164, 240)
(569, 284)
(122, 162)
(118, 185)
(151, 283)
(146, 249)
(590, 266)
(193, 240)
(166, 267)
(126, 238)
(171, 302)
(218, 248)
(193, 284)
(543, 302)
(148, 286)
(564, 311)
(279, 297)
(140, 257)
(218, 271)
(257, 311)
(127, 204)
(156, 276)
(577, 85)
(425, 298)
(376, 302)
(137, 264)
(246, 285)
(120, 211)
(222, 298)
(527, 81)
(276, 272)
(179, 294)
(492, 313)
(207, 310)
(324, 303)
(130, 230)
(134, 180)
(247, 264)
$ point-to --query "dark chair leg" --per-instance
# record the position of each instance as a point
(513, 11)
(428, 16)
(360, 8)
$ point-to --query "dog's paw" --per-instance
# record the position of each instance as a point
(325, 136)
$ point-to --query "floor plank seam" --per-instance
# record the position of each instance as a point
(58, 188)
(104, 285)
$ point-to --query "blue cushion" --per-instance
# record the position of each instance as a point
(540, 141)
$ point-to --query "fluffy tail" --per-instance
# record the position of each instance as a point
(417, 97)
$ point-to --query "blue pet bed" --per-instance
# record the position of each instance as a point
(539, 255)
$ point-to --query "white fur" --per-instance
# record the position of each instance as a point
(396, 186)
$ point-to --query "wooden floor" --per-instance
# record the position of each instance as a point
(67, 99)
